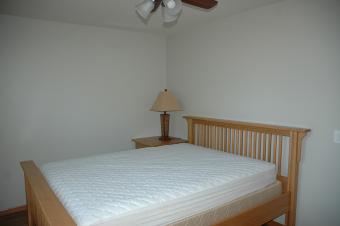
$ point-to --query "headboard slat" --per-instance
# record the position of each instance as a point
(259, 143)
(270, 148)
(264, 147)
(280, 156)
(275, 148)
(251, 151)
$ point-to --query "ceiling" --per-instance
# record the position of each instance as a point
(120, 13)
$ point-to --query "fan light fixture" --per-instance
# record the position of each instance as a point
(171, 8)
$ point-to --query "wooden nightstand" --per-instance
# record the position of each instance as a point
(155, 142)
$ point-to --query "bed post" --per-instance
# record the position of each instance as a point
(28, 203)
(293, 174)
(191, 131)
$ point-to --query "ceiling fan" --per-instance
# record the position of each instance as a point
(170, 8)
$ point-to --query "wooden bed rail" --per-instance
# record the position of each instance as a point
(254, 140)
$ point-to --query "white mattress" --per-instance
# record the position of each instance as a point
(153, 186)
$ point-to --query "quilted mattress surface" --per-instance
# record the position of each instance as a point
(153, 186)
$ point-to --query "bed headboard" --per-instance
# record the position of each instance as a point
(259, 141)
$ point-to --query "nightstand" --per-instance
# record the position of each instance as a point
(155, 142)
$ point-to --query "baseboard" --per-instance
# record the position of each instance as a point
(14, 210)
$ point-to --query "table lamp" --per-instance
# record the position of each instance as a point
(165, 102)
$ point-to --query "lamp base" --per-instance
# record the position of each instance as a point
(165, 118)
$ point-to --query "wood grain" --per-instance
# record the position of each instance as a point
(155, 142)
(249, 126)
(261, 214)
(205, 4)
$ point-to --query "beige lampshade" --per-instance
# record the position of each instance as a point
(166, 101)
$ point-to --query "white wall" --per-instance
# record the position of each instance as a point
(69, 91)
(277, 64)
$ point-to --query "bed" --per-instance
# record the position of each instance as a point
(230, 173)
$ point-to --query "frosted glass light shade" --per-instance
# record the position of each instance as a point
(166, 101)
(170, 14)
(144, 8)
(167, 18)
(175, 6)
(169, 3)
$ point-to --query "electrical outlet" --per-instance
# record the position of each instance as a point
(337, 136)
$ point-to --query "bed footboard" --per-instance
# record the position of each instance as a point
(43, 207)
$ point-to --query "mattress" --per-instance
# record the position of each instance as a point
(153, 186)
(230, 209)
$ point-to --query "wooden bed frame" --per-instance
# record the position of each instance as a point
(254, 140)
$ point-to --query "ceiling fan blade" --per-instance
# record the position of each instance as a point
(157, 4)
(205, 4)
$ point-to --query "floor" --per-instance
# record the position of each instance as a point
(16, 219)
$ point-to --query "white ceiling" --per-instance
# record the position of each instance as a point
(119, 13)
